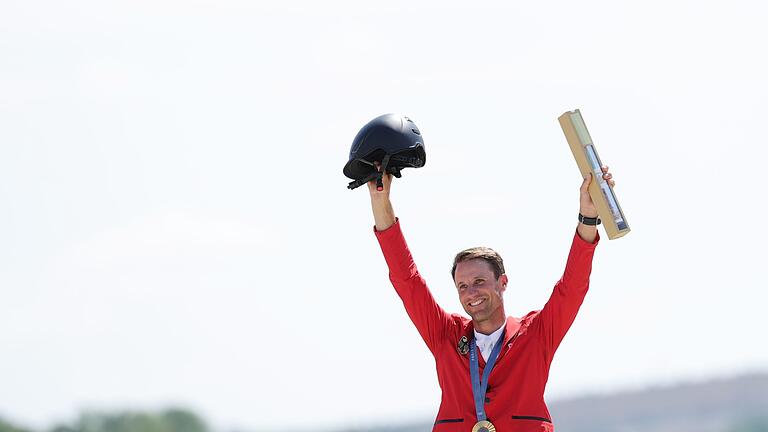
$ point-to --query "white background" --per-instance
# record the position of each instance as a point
(175, 228)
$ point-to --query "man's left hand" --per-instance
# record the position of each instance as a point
(587, 207)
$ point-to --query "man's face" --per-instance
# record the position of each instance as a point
(480, 292)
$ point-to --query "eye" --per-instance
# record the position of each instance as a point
(479, 281)
(462, 287)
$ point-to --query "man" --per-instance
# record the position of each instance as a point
(492, 369)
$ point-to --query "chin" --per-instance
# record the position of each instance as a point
(480, 315)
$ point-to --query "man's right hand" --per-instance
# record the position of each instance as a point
(383, 214)
(386, 179)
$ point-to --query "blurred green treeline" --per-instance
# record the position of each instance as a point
(179, 420)
(170, 420)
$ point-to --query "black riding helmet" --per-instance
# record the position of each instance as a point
(392, 140)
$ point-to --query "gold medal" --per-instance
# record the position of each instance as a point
(484, 426)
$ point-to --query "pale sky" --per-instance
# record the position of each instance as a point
(175, 227)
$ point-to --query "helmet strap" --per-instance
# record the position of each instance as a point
(382, 171)
(376, 175)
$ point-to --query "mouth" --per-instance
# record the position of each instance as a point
(476, 303)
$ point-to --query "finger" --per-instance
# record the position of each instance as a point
(604, 168)
(607, 176)
(612, 183)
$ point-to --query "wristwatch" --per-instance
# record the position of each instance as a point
(589, 220)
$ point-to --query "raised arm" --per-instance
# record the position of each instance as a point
(430, 319)
(559, 312)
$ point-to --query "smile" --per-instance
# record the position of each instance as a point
(476, 302)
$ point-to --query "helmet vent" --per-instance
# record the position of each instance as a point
(416, 131)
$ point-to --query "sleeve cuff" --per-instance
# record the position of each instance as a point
(577, 240)
(389, 230)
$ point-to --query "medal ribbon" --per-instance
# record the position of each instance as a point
(480, 386)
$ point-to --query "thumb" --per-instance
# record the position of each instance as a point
(585, 184)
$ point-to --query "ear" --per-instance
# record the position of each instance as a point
(503, 281)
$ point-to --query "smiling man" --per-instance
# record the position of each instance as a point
(492, 368)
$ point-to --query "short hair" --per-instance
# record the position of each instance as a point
(486, 254)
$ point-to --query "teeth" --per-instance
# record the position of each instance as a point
(476, 302)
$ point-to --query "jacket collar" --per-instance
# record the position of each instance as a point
(512, 327)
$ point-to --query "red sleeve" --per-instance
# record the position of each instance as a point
(558, 314)
(429, 318)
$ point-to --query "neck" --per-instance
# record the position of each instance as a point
(491, 324)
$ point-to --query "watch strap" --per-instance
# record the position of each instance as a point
(589, 220)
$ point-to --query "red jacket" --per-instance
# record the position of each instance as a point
(515, 395)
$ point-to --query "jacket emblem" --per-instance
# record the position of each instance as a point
(463, 345)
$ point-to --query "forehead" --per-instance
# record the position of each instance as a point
(467, 270)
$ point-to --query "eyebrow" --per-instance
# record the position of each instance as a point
(473, 278)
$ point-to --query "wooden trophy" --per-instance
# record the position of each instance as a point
(588, 161)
